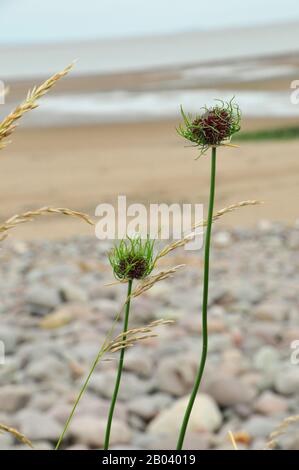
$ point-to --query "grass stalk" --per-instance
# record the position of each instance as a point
(204, 306)
(101, 352)
(120, 368)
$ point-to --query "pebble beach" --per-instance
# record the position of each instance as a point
(56, 309)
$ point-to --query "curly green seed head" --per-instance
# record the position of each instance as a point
(215, 126)
(132, 259)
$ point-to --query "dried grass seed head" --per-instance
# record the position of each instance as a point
(9, 123)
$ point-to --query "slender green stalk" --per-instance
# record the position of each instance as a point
(204, 305)
(120, 368)
(101, 352)
(78, 399)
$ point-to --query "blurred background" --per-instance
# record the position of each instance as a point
(109, 128)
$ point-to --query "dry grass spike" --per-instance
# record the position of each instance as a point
(233, 440)
(135, 335)
(9, 123)
(150, 281)
(190, 236)
(29, 216)
(18, 435)
(280, 430)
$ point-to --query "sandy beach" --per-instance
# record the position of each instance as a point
(108, 129)
(82, 167)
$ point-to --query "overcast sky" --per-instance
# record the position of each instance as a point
(37, 20)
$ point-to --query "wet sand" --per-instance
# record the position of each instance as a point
(84, 166)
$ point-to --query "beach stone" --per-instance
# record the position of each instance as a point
(92, 405)
(287, 381)
(219, 342)
(271, 311)
(47, 368)
(40, 445)
(6, 441)
(139, 361)
(170, 314)
(222, 239)
(107, 307)
(87, 348)
(244, 410)
(125, 447)
(266, 359)
(293, 240)
(44, 401)
(103, 383)
(136, 423)
(55, 272)
(292, 334)
(252, 378)
(175, 374)
(241, 290)
(90, 431)
(143, 309)
(268, 403)
(78, 447)
(265, 225)
(64, 315)
(290, 440)
(161, 291)
(230, 391)
(97, 291)
(148, 407)
(71, 292)
(217, 325)
(38, 349)
(14, 397)
(205, 416)
(269, 332)
(8, 373)
(10, 336)
(20, 247)
(38, 426)
(7, 418)
(260, 426)
(193, 441)
(60, 412)
(234, 362)
(41, 300)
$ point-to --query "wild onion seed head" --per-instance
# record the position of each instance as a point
(132, 259)
(213, 127)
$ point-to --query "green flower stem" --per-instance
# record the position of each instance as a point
(100, 354)
(120, 368)
(204, 305)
